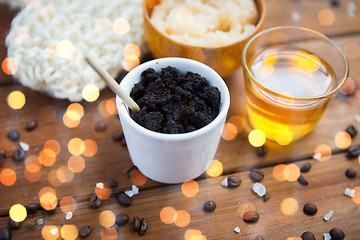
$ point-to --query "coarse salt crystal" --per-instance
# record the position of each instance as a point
(349, 192)
(135, 189)
(68, 216)
(100, 185)
(24, 146)
(259, 189)
(237, 230)
(329, 215)
(224, 182)
(130, 193)
(327, 236)
(317, 156)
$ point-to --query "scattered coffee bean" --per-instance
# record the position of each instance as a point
(130, 170)
(40, 221)
(334, 3)
(259, 238)
(209, 206)
(353, 152)
(14, 225)
(123, 142)
(85, 231)
(302, 180)
(136, 224)
(112, 183)
(95, 202)
(310, 209)
(100, 126)
(19, 155)
(13, 135)
(251, 217)
(124, 200)
(266, 197)
(256, 176)
(337, 234)
(351, 130)
(5, 233)
(118, 136)
(31, 125)
(307, 236)
(261, 151)
(31, 209)
(233, 181)
(2, 157)
(143, 227)
(305, 168)
(122, 220)
(351, 173)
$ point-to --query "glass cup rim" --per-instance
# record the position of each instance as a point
(319, 97)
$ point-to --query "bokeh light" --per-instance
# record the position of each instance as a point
(121, 26)
(289, 206)
(291, 172)
(167, 215)
(190, 188)
(238, 121)
(342, 140)
(8, 146)
(47, 157)
(65, 49)
(18, 213)
(326, 17)
(257, 138)
(76, 111)
(108, 234)
(76, 164)
(215, 169)
(53, 145)
(32, 176)
(90, 92)
(349, 87)
(229, 132)
(76, 146)
(10, 65)
(110, 106)
(68, 122)
(182, 218)
(48, 199)
(356, 198)
(7, 177)
(130, 62)
(16, 100)
(64, 174)
(352, 50)
(284, 137)
(278, 172)
(102, 108)
(137, 178)
(322, 152)
(32, 164)
(107, 218)
(246, 207)
(194, 234)
(102, 190)
(90, 148)
(131, 49)
(53, 179)
(69, 232)
(50, 232)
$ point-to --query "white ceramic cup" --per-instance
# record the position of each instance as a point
(173, 158)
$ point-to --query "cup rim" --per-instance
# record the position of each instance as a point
(319, 97)
(224, 106)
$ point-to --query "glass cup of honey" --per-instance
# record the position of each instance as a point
(291, 76)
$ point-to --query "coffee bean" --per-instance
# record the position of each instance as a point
(334, 3)
(261, 151)
(351, 173)
(122, 220)
(209, 206)
(118, 136)
(31, 209)
(2, 157)
(302, 180)
(123, 142)
(266, 197)
(100, 126)
(14, 225)
(5, 233)
(351, 130)
(251, 217)
(124, 200)
(31, 125)
(353, 152)
(233, 181)
(85, 231)
(259, 238)
(19, 155)
(310, 209)
(256, 176)
(305, 168)
(13, 135)
(143, 227)
(40, 221)
(95, 202)
(136, 224)
(337, 234)
(112, 183)
(307, 236)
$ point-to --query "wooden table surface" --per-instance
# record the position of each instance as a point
(281, 217)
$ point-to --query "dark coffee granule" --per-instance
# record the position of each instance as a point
(5, 233)
(307, 236)
(256, 176)
(40, 221)
(302, 180)
(14, 225)
(100, 126)
(136, 224)
(31, 209)
(118, 136)
(143, 227)
(95, 202)
(13, 135)
(337, 234)
(353, 152)
(310, 209)
(233, 181)
(351, 130)
(251, 217)
(112, 183)
(172, 102)
(31, 125)
(209, 206)
(335, 3)
(351, 173)
(122, 220)
(259, 238)
(85, 231)
(305, 168)
(262, 151)
(124, 200)
(266, 197)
